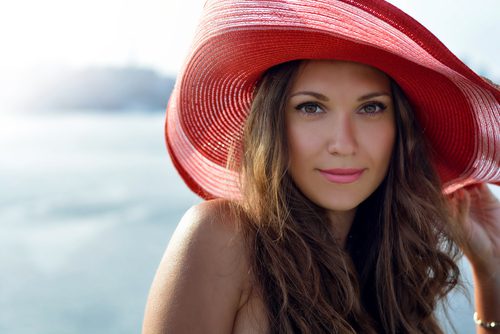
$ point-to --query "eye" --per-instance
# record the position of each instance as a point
(373, 108)
(309, 108)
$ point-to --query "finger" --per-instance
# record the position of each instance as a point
(482, 197)
(460, 209)
(484, 192)
(452, 200)
(463, 205)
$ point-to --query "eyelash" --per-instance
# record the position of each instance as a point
(301, 107)
(381, 108)
(379, 105)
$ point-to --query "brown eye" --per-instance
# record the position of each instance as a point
(309, 108)
(373, 108)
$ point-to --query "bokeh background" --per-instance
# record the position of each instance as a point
(88, 195)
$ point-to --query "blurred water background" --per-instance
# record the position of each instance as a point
(88, 202)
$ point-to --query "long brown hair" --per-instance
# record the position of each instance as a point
(398, 261)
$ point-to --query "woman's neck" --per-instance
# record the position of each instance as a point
(341, 222)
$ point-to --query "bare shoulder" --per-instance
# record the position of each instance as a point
(201, 279)
(213, 220)
(211, 231)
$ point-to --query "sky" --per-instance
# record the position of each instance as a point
(38, 34)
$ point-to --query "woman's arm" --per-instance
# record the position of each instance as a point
(478, 214)
(198, 285)
(487, 298)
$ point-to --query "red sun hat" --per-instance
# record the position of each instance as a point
(238, 40)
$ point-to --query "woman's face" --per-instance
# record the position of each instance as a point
(340, 131)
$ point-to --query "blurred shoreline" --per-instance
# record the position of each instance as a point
(103, 88)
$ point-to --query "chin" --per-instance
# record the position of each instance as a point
(340, 204)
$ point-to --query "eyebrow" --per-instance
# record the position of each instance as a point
(313, 94)
(322, 97)
(372, 95)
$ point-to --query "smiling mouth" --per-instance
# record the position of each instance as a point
(342, 175)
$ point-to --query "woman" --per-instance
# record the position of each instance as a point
(337, 199)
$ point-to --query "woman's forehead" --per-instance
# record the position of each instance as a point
(333, 72)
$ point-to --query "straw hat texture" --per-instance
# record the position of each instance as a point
(237, 40)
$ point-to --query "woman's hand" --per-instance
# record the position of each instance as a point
(477, 212)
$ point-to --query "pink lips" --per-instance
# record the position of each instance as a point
(342, 175)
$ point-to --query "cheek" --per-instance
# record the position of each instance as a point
(301, 142)
(379, 141)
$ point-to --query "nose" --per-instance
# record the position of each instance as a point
(342, 138)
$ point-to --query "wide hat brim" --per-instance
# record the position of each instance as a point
(238, 40)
